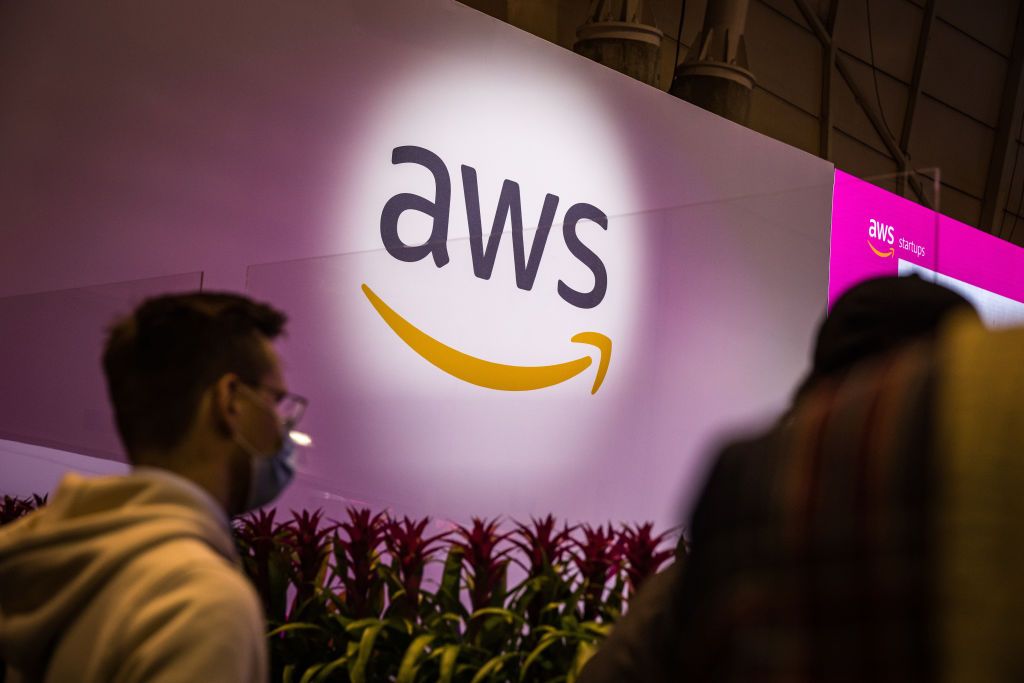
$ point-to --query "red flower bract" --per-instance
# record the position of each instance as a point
(641, 552)
(542, 543)
(487, 563)
(356, 556)
(597, 558)
(310, 545)
(410, 551)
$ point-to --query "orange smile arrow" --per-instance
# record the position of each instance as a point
(490, 375)
(883, 254)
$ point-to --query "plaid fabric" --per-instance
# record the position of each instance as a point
(811, 544)
(979, 509)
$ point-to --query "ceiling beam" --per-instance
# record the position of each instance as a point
(923, 36)
(827, 66)
(1004, 146)
(876, 121)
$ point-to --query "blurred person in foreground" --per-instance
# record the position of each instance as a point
(136, 578)
(752, 593)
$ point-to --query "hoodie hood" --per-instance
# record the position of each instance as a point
(53, 561)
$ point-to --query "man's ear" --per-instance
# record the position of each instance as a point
(225, 402)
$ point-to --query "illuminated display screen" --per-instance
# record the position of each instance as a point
(876, 233)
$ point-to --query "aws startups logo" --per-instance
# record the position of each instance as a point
(444, 355)
(879, 232)
(882, 233)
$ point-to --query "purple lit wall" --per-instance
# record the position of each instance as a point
(251, 147)
(877, 233)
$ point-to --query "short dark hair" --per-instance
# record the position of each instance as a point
(159, 360)
(876, 317)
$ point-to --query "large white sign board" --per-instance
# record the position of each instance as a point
(518, 282)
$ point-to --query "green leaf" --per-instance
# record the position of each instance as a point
(545, 642)
(450, 654)
(500, 588)
(277, 578)
(492, 667)
(288, 674)
(338, 620)
(362, 623)
(410, 662)
(294, 626)
(339, 604)
(331, 668)
(358, 670)
(583, 653)
(616, 598)
(552, 607)
(310, 672)
(598, 629)
(321, 574)
(400, 624)
(434, 619)
(448, 591)
(527, 585)
(548, 629)
(508, 615)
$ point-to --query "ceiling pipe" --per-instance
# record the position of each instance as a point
(618, 34)
(716, 73)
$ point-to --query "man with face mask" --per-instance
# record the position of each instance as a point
(136, 578)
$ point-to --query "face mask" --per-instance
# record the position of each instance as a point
(269, 474)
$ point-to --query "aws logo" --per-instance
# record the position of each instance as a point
(883, 233)
(479, 371)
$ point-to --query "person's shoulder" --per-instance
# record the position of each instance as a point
(186, 582)
(195, 562)
(188, 566)
(222, 587)
(752, 444)
(748, 450)
(737, 476)
(190, 611)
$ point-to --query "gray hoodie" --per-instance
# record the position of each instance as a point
(123, 579)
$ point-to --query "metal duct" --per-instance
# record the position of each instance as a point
(620, 35)
(716, 74)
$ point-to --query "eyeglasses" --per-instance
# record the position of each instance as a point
(289, 407)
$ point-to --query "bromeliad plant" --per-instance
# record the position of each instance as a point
(375, 598)
(357, 568)
(309, 547)
(266, 556)
(411, 550)
(543, 550)
(598, 557)
(12, 508)
(643, 553)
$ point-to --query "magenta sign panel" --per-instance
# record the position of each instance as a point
(876, 233)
